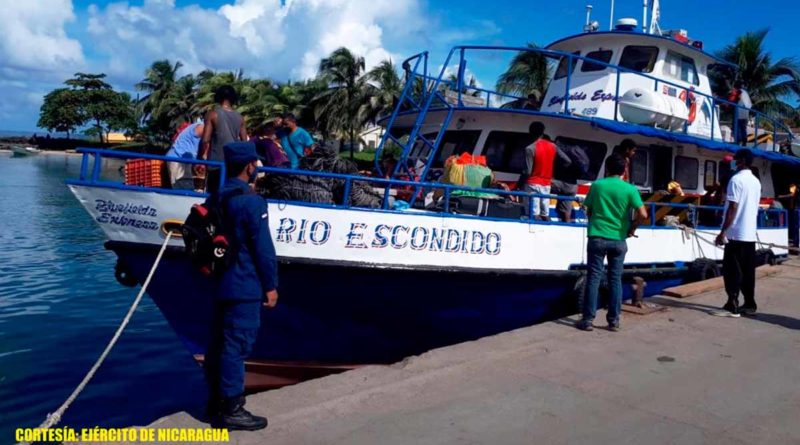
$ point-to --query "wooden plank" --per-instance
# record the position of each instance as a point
(713, 284)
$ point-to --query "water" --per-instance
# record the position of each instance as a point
(59, 306)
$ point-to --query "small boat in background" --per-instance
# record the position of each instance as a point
(20, 152)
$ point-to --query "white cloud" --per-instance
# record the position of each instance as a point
(36, 54)
(260, 36)
(34, 38)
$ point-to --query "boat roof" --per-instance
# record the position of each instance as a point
(632, 129)
(710, 58)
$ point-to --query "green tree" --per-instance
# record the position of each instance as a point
(527, 74)
(340, 104)
(157, 107)
(770, 84)
(61, 111)
(383, 90)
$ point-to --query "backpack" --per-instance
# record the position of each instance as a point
(209, 243)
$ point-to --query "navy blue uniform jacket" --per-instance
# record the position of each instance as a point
(254, 272)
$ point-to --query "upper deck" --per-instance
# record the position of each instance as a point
(602, 78)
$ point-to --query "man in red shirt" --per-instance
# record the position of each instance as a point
(538, 174)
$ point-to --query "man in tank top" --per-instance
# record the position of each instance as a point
(223, 126)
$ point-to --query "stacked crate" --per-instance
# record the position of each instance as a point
(144, 172)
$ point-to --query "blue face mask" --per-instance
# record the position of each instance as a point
(734, 167)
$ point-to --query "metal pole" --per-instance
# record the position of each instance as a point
(611, 19)
(644, 17)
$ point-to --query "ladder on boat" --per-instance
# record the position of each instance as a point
(420, 94)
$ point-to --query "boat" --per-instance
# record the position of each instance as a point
(362, 286)
(20, 151)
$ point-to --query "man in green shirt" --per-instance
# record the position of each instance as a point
(609, 205)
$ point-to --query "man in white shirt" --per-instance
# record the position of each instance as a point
(738, 235)
(742, 113)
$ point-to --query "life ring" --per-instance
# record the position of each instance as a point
(692, 105)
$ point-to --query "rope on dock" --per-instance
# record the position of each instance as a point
(692, 231)
(55, 418)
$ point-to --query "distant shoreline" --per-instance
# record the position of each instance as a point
(48, 152)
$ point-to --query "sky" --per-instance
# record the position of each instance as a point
(46, 41)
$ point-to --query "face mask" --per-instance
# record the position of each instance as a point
(733, 165)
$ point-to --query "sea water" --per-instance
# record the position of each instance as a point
(59, 306)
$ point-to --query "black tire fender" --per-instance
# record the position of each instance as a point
(703, 269)
(123, 275)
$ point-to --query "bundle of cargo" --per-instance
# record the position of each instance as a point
(144, 172)
(469, 171)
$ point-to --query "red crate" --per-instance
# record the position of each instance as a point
(144, 172)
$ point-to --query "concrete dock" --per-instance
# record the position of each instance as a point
(679, 376)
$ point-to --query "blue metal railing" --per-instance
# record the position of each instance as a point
(767, 217)
(99, 154)
(714, 102)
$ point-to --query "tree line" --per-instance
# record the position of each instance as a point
(344, 96)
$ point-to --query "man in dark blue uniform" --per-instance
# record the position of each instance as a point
(248, 284)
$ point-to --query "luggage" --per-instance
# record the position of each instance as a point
(493, 208)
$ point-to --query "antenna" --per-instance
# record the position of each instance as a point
(611, 19)
(588, 14)
(590, 26)
(644, 17)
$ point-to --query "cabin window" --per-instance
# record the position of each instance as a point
(453, 142)
(599, 55)
(709, 174)
(505, 150)
(562, 69)
(686, 170)
(638, 169)
(680, 67)
(595, 154)
(641, 59)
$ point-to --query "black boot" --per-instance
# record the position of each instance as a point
(235, 417)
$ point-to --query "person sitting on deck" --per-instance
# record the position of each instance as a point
(269, 148)
(609, 204)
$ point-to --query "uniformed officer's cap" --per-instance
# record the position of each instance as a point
(240, 153)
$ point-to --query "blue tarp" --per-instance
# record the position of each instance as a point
(626, 128)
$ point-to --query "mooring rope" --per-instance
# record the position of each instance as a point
(692, 231)
(55, 418)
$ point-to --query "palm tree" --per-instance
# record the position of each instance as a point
(159, 81)
(180, 103)
(769, 84)
(383, 90)
(339, 105)
(527, 74)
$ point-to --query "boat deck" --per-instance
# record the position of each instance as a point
(678, 376)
